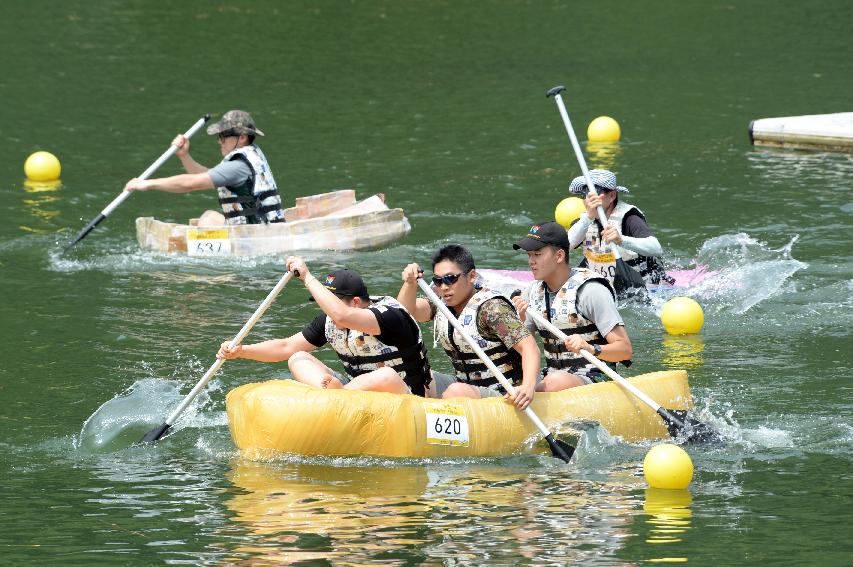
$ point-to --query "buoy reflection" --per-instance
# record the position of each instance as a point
(683, 351)
(668, 517)
(41, 202)
(603, 155)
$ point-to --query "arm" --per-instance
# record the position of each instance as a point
(618, 347)
(344, 316)
(276, 350)
(596, 303)
(182, 144)
(636, 236)
(577, 231)
(408, 295)
(648, 246)
(183, 183)
(497, 318)
(529, 352)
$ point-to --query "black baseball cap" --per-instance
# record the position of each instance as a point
(544, 234)
(345, 283)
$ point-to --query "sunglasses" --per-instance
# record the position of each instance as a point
(226, 135)
(447, 279)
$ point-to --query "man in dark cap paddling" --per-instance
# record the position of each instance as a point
(247, 191)
(581, 303)
(378, 342)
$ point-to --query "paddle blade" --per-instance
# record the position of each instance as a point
(155, 434)
(627, 278)
(86, 230)
(680, 424)
(560, 449)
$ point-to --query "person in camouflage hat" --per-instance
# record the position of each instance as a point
(243, 180)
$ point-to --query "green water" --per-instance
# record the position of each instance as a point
(441, 107)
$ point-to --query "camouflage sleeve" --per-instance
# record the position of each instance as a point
(497, 319)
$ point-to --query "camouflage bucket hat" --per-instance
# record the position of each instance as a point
(236, 121)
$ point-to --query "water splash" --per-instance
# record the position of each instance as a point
(122, 421)
(744, 271)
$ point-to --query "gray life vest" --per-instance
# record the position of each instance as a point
(563, 313)
(361, 353)
(466, 364)
(596, 256)
(257, 200)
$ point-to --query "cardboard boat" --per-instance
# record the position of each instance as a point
(329, 221)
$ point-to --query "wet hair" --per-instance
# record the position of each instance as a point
(456, 254)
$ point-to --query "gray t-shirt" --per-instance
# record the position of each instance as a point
(230, 173)
(594, 302)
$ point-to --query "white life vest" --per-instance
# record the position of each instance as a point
(563, 313)
(599, 257)
(257, 201)
(361, 353)
(466, 364)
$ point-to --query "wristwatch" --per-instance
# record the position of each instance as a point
(596, 351)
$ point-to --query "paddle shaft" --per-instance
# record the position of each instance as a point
(602, 216)
(145, 175)
(219, 361)
(489, 364)
(543, 322)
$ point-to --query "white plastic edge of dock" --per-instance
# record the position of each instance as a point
(812, 130)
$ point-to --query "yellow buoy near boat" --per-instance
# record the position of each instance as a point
(42, 166)
(668, 466)
(603, 129)
(284, 416)
(569, 210)
(682, 316)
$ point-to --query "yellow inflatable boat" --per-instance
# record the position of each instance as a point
(284, 416)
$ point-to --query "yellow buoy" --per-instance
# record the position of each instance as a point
(682, 316)
(603, 129)
(668, 466)
(42, 166)
(569, 210)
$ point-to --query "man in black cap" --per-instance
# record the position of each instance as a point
(378, 342)
(581, 303)
(247, 191)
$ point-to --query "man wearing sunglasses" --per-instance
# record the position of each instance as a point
(487, 316)
(247, 191)
(378, 342)
(626, 228)
(580, 303)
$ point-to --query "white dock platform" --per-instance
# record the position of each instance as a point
(832, 132)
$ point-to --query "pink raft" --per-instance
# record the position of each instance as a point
(521, 278)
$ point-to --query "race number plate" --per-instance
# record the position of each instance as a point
(208, 242)
(602, 262)
(446, 425)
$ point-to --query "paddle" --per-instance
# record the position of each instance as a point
(678, 423)
(559, 449)
(625, 277)
(157, 433)
(145, 175)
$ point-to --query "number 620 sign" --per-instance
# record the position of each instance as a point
(446, 425)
